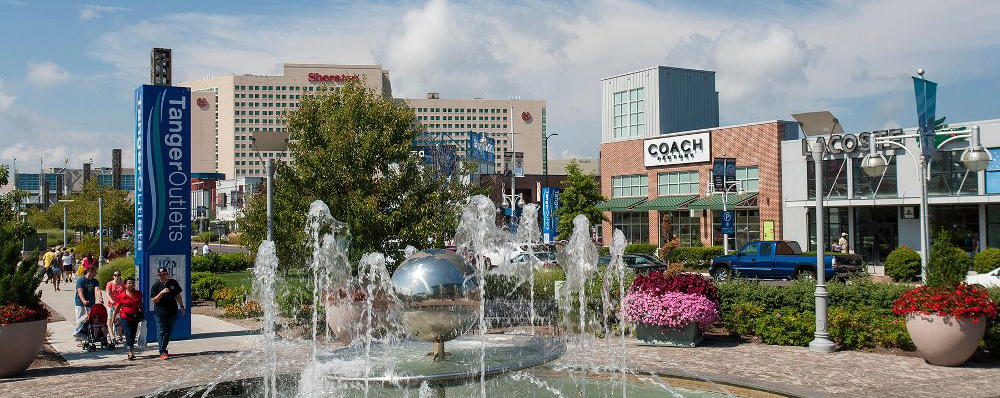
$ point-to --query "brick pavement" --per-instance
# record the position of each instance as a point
(786, 369)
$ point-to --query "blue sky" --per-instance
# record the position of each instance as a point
(69, 68)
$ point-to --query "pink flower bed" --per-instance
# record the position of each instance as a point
(670, 309)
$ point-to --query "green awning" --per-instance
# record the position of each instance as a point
(620, 204)
(714, 202)
(666, 202)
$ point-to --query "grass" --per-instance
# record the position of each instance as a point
(55, 235)
(237, 279)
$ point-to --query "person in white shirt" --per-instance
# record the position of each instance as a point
(205, 250)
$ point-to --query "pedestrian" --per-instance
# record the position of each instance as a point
(167, 306)
(843, 243)
(69, 271)
(128, 307)
(88, 262)
(88, 291)
(47, 263)
(205, 249)
(55, 271)
(68, 259)
(114, 288)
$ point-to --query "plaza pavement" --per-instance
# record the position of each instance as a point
(220, 350)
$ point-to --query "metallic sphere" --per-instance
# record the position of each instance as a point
(920, 72)
(440, 295)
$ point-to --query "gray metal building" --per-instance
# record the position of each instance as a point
(658, 100)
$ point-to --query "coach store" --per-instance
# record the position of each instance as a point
(664, 182)
(881, 213)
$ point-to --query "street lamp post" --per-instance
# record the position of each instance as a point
(100, 228)
(821, 340)
(545, 164)
(974, 157)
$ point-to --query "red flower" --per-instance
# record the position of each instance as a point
(961, 301)
(17, 313)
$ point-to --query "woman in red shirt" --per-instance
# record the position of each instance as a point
(128, 305)
(114, 288)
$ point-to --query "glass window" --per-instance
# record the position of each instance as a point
(883, 186)
(628, 113)
(834, 178)
(950, 177)
(961, 220)
(766, 249)
(993, 225)
(687, 229)
(677, 183)
(633, 224)
(749, 178)
(747, 228)
(749, 249)
(835, 223)
(627, 186)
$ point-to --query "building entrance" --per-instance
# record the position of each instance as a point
(876, 232)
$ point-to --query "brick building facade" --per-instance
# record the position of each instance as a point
(638, 196)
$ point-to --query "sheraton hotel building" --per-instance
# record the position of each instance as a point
(660, 132)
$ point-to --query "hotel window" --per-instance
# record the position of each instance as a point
(626, 186)
(677, 183)
(633, 224)
(749, 178)
(629, 114)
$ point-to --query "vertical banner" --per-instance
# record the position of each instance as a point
(926, 93)
(546, 214)
(555, 214)
(163, 193)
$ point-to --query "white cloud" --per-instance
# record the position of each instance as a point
(46, 74)
(770, 63)
(6, 100)
(34, 136)
(90, 11)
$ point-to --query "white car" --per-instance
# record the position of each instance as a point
(989, 279)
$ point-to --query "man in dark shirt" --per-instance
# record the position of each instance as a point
(167, 305)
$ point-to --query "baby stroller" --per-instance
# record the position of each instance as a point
(96, 329)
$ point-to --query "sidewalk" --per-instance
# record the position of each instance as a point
(207, 334)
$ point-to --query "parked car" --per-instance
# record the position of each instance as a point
(780, 260)
(638, 262)
(989, 279)
(547, 259)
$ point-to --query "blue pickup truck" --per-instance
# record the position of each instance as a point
(780, 260)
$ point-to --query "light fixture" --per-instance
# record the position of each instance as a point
(874, 165)
(976, 159)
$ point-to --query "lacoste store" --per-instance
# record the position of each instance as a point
(881, 213)
(649, 180)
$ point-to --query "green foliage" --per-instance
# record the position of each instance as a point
(741, 318)
(19, 280)
(786, 326)
(695, 257)
(856, 292)
(207, 236)
(10, 204)
(88, 245)
(125, 265)
(903, 264)
(581, 195)
(641, 248)
(603, 251)
(948, 264)
(204, 287)
(82, 212)
(991, 341)
(295, 301)
(352, 149)
(221, 263)
(987, 260)
(868, 327)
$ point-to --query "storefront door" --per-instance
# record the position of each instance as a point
(876, 232)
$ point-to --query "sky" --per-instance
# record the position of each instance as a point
(69, 69)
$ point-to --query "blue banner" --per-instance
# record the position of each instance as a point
(728, 222)
(547, 215)
(926, 93)
(555, 213)
(163, 194)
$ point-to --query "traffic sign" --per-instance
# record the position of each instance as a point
(729, 222)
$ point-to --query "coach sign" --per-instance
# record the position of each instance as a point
(680, 149)
(163, 193)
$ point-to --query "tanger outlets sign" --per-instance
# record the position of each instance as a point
(163, 192)
(679, 149)
(850, 143)
(319, 77)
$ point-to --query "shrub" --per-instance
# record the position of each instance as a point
(741, 318)
(20, 299)
(867, 327)
(948, 264)
(228, 296)
(603, 251)
(786, 326)
(672, 301)
(122, 246)
(221, 263)
(246, 309)
(197, 276)
(207, 236)
(640, 248)
(88, 245)
(125, 265)
(233, 238)
(903, 264)
(987, 260)
(695, 257)
(206, 286)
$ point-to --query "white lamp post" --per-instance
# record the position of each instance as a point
(974, 157)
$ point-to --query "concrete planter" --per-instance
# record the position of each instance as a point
(945, 341)
(688, 336)
(19, 345)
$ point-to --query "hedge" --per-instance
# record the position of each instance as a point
(221, 263)
(641, 248)
(695, 257)
(125, 265)
(903, 264)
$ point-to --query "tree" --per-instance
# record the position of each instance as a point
(9, 206)
(352, 149)
(82, 210)
(581, 196)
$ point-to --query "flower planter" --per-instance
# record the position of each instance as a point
(19, 345)
(688, 336)
(945, 341)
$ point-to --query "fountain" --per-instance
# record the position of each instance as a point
(394, 329)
